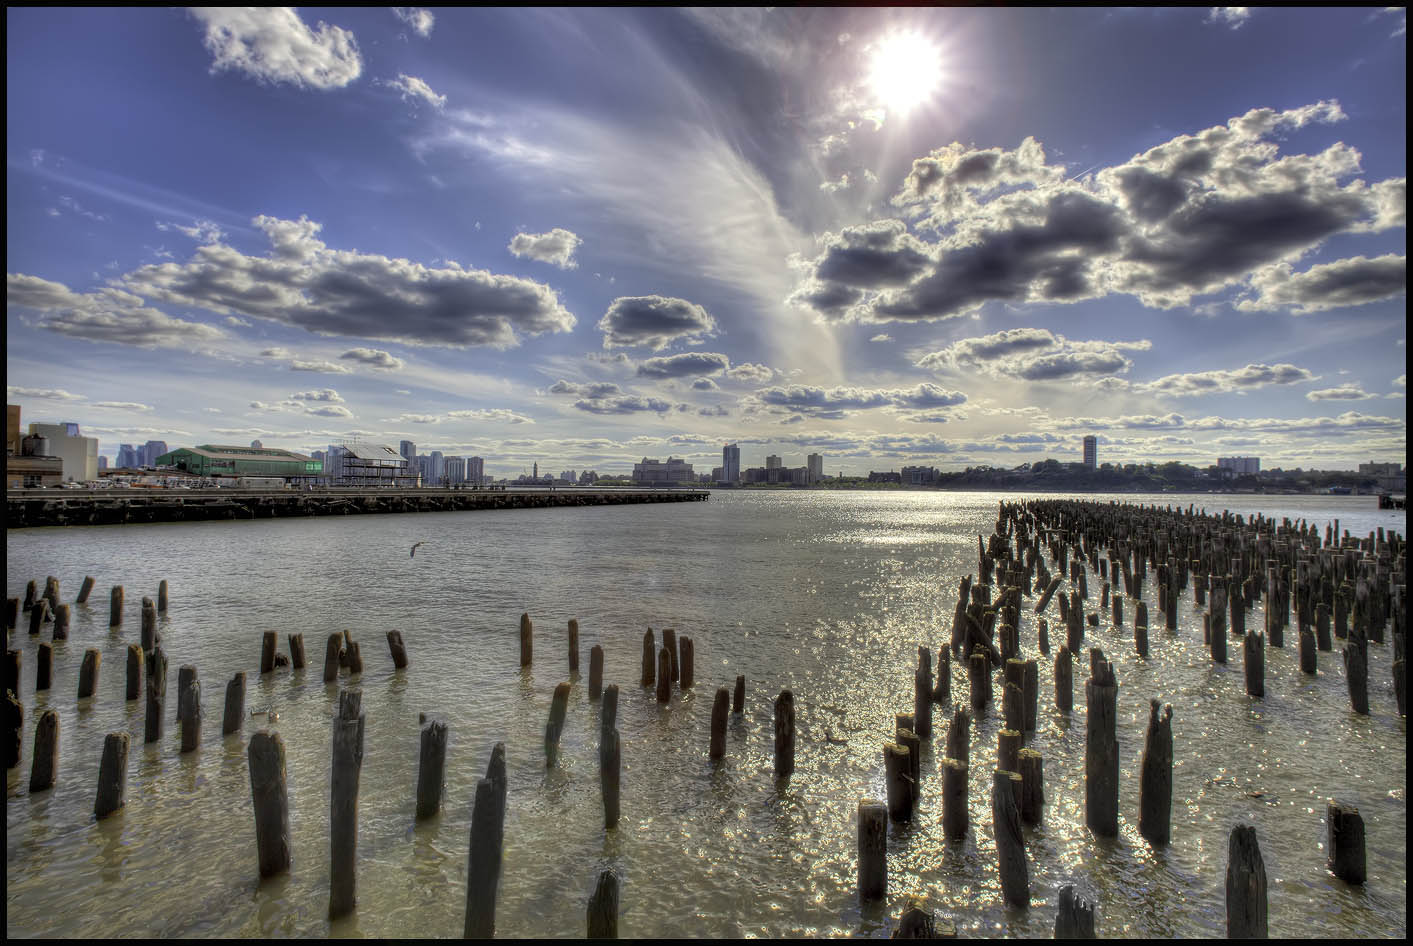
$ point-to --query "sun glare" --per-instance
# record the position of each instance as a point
(904, 72)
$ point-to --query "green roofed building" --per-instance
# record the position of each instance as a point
(218, 460)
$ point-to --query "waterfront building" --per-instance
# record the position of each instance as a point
(730, 464)
(1091, 452)
(476, 471)
(815, 464)
(221, 460)
(1240, 465)
(375, 464)
(889, 477)
(772, 462)
(673, 470)
(588, 478)
(919, 475)
(455, 469)
(27, 459)
(438, 468)
(569, 476)
(78, 454)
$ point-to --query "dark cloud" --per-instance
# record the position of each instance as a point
(653, 322)
(1347, 282)
(838, 403)
(1225, 382)
(304, 283)
(623, 404)
(872, 255)
(690, 364)
(106, 315)
(1033, 354)
(592, 389)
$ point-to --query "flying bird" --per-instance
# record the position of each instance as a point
(414, 550)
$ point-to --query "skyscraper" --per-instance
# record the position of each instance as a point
(438, 467)
(731, 463)
(1091, 452)
(127, 457)
(408, 451)
(772, 462)
(475, 471)
(815, 462)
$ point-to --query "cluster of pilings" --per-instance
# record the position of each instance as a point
(1231, 563)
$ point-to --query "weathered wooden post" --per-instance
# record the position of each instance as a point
(112, 775)
(687, 663)
(162, 595)
(610, 772)
(355, 658)
(1254, 652)
(922, 694)
(156, 695)
(1155, 791)
(873, 849)
(431, 769)
(1013, 708)
(1345, 845)
(603, 908)
(1042, 633)
(784, 734)
(1010, 847)
(234, 716)
(738, 697)
(527, 640)
(1075, 917)
(31, 596)
(12, 613)
(1032, 773)
(573, 645)
(88, 673)
(266, 755)
(1356, 674)
(1101, 754)
(1008, 744)
(955, 816)
(669, 641)
(61, 623)
(1118, 610)
(149, 623)
(296, 652)
(331, 657)
(12, 671)
(43, 658)
(44, 770)
(267, 652)
(718, 723)
(595, 672)
(1322, 627)
(959, 736)
(649, 657)
(398, 650)
(909, 740)
(897, 766)
(185, 675)
(1064, 680)
(664, 675)
(559, 708)
(85, 590)
(135, 664)
(343, 803)
(979, 671)
(1307, 651)
(14, 730)
(191, 716)
(51, 594)
(608, 710)
(38, 615)
(1246, 886)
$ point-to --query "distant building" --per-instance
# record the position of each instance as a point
(374, 464)
(884, 477)
(536, 470)
(1091, 452)
(256, 444)
(127, 457)
(102, 461)
(476, 471)
(408, 449)
(588, 478)
(455, 470)
(919, 476)
(772, 462)
(815, 464)
(570, 477)
(1240, 465)
(220, 460)
(27, 459)
(730, 464)
(673, 470)
(1380, 469)
(79, 454)
(438, 468)
(718, 475)
(151, 451)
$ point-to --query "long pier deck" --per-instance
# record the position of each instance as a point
(27, 508)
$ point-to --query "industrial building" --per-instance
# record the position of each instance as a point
(221, 460)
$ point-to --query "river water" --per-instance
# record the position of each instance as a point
(826, 593)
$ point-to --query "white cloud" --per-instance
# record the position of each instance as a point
(419, 18)
(416, 89)
(106, 315)
(1345, 392)
(272, 44)
(324, 394)
(373, 357)
(1233, 17)
(555, 247)
(123, 405)
(48, 394)
(497, 414)
(1226, 382)
(324, 367)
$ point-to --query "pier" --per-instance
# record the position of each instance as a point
(28, 508)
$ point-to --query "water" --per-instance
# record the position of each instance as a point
(828, 594)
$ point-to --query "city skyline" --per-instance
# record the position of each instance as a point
(945, 237)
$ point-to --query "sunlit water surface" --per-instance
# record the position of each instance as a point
(828, 594)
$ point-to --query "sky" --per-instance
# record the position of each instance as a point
(946, 237)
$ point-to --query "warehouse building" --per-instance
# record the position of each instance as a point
(219, 460)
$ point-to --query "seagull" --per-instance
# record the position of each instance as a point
(414, 550)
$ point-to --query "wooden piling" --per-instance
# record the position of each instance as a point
(898, 777)
(331, 657)
(738, 696)
(1013, 708)
(398, 650)
(669, 641)
(527, 640)
(595, 672)
(431, 768)
(1307, 651)
(603, 908)
(112, 775)
(266, 760)
(51, 594)
(686, 671)
(979, 669)
(559, 708)
(1322, 627)
(1216, 639)
(12, 671)
(664, 675)
(610, 773)
(1010, 846)
(1356, 675)
(355, 659)
(608, 710)
(296, 652)
(718, 723)
(1064, 681)
(234, 716)
(922, 694)
(12, 613)
(1043, 636)
(44, 770)
(185, 675)
(909, 740)
(38, 615)
(1345, 847)
(1101, 755)
(573, 645)
(1246, 886)
(1032, 773)
(31, 595)
(134, 678)
(343, 803)
(1008, 744)
(191, 717)
(61, 623)
(1075, 917)
(873, 849)
(649, 658)
(14, 730)
(955, 816)
(44, 658)
(88, 673)
(85, 590)
(1155, 791)
(267, 652)
(1254, 652)
(487, 841)
(784, 734)
(959, 736)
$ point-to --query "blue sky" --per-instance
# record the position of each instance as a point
(945, 237)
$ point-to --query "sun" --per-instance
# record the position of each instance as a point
(904, 71)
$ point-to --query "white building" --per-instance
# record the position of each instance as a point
(79, 454)
(672, 470)
(1240, 465)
